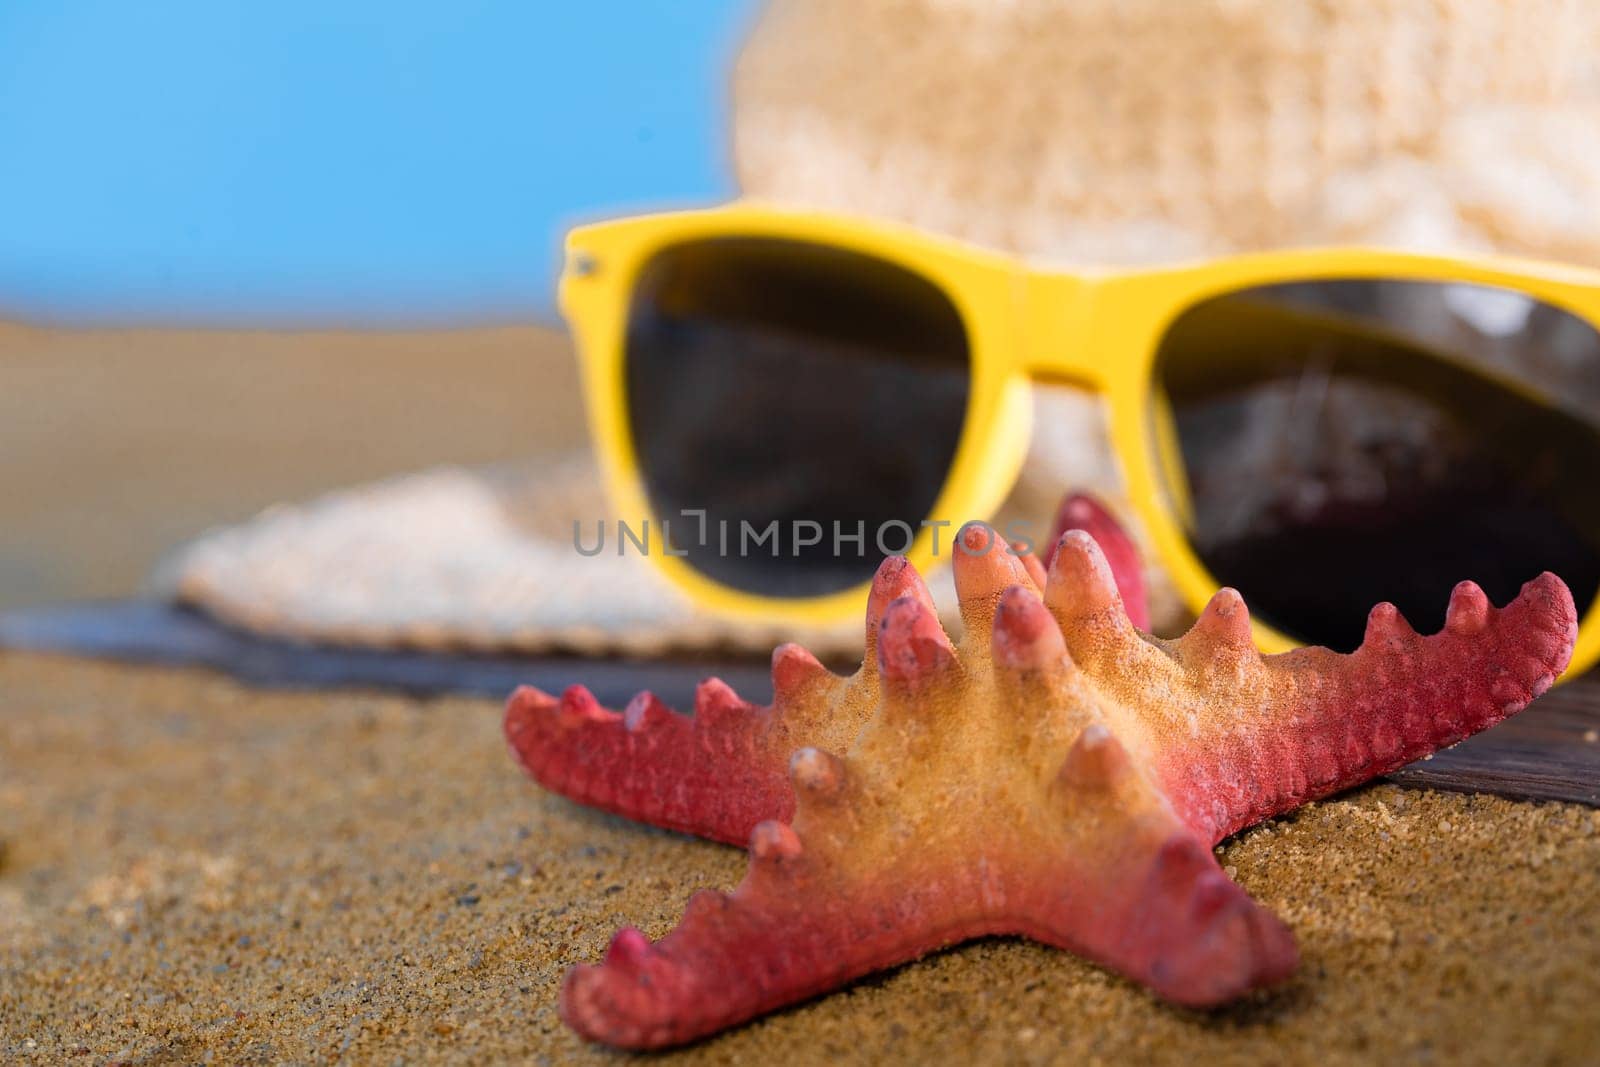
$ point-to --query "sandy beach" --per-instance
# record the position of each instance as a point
(197, 872)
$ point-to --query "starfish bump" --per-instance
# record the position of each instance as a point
(1082, 511)
(1062, 776)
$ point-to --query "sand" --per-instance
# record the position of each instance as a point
(196, 872)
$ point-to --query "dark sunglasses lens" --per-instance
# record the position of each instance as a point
(1347, 442)
(795, 409)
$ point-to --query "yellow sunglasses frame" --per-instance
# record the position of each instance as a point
(1098, 330)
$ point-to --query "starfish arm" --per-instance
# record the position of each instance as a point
(787, 933)
(1172, 921)
(1321, 722)
(715, 774)
(1238, 737)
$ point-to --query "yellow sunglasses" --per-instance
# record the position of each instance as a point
(750, 368)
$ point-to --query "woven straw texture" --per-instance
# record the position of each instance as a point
(481, 560)
(1121, 131)
(463, 559)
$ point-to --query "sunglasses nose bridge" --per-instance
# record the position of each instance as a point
(1055, 319)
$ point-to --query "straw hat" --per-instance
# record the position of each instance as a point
(1066, 131)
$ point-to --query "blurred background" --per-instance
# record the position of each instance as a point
(249, 253)
(194, 194)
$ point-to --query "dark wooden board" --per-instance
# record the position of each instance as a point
(1550, 751)
(149, 631)
(1545, 753)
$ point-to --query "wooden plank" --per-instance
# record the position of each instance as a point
(1551, 751)
(149, 631)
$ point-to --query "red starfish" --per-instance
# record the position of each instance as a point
(1062, 776)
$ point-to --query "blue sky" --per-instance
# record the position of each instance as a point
(382, 162)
